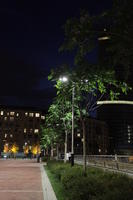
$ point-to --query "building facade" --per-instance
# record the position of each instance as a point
(19, 127)
(96, 138)
(118, 114)
(119, 117)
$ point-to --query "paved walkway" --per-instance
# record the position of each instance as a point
(20, 180)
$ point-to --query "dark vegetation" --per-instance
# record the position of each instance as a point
(72, 183)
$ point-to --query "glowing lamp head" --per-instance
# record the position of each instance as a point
(63, 79)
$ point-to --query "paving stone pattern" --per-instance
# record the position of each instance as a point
(20, 180)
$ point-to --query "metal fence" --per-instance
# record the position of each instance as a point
(115, 162)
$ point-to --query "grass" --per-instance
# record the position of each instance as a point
(57, 186)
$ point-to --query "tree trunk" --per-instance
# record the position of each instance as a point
(47, 152)
(84, 145)
(65, 150)
(57, 151)
(52, 151)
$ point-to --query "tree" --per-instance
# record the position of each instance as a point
(57, 122)
(50, 133)
(115, 25)
(91, 84)
(120, 32)
(97, 81)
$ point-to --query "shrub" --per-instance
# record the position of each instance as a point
(96, 185)
(45, 159)
(79, 186)
(57, 168)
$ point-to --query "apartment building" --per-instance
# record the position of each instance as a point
(20, 127)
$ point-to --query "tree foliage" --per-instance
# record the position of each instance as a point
(81, 34)
(93, 82)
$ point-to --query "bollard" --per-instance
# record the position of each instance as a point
(117, 166)
(38, 158)
(72, 159)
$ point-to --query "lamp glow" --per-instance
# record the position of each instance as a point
(63, 79)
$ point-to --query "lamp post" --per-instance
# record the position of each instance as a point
(72, 148)
(65, 79)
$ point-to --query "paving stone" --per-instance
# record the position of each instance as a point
(20, 180)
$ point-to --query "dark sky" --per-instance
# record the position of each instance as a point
(30, 35)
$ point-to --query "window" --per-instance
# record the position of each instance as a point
(17, 114)
(11, 118)
(31, 130)
(36, 130)
(25, 130)
(2, 112)
(31, 114)
(5, 135)
(26, 114)
(78, 134)
(103, 38)
(37, 114)
(99, 150)
(12, 113)
(11, 136)
(42, 117)
(5, 118)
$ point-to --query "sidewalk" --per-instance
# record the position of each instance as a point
(24, 180)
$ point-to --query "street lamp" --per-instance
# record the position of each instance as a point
(65, 79)
(72, 148)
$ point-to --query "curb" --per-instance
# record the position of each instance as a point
(48, 192)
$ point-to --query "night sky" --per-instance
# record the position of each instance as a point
(31, 33)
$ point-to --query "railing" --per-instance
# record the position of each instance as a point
(115, 162)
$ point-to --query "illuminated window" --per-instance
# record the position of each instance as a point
(11, 136)
(36, 130)
(7, 113)
(31, 114)
(25, 130)
(128, 128)
(5, 135)
(2, 112)
(78, 134)
(12, 113)
(42, 117)
(31, 130)
(99, 150)
(17, 114)
(5, 118)
(26, 114)
(37, 115)
(129, 141)
(11, 118)
(104, 38)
